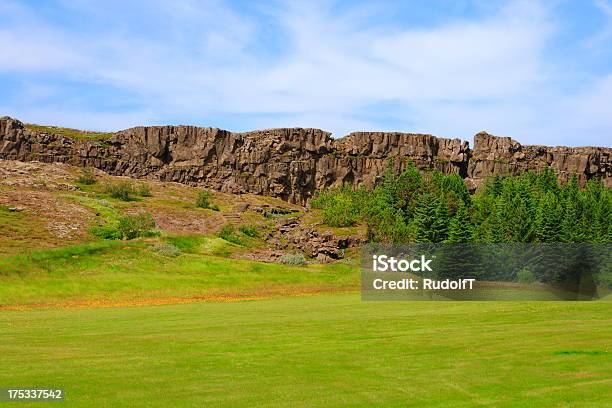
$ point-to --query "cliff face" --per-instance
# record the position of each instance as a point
(292, 163)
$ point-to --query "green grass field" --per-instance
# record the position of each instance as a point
(326, 350)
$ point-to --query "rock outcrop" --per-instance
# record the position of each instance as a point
(292, 163)
(291, 233)
(503, 155)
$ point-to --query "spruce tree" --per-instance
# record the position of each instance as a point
(424, 218)
(439, 227)
(548, 219)
(460, 230)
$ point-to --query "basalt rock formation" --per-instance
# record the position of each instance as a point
(293, 163)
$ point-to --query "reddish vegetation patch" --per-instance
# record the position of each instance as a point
(51, 220)
(236, 297)
(178, 221)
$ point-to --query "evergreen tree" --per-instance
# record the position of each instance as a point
(548, 220)
(547, 181)
(439, 227)
(460, 229)
(570, 230)
(425, 217)
(453, 183)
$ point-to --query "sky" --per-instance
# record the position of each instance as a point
(537, 71)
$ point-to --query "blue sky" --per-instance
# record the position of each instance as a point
(540, 72)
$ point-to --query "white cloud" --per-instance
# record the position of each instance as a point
(204, 59)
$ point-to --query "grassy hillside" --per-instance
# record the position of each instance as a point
(118, 272)
(316, 351)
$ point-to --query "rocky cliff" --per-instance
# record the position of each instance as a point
(292, 163)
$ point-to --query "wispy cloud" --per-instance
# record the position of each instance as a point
(310, 64)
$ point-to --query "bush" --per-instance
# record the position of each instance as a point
(87, 177)
(525, 276)
(249, 231)
(106, 232)
(228, 233)
(122, 190)
(166, 249)
(341, 208)
(203, 199)
(293, 259)
(144, 190)
(128, 227)
(134, 226)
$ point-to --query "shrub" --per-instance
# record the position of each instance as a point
(203, 199)
(341, 208)
(228, 233)
(122, 190)
(144, 190)
(87, 177)
(249, 230)
(293, 259)
(134, 226)
(166, 249)
(525, 276)
(106, 232)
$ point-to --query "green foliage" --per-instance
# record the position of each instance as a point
(425, 217)
(460, 229)
(203, 199)
(214, 207)
(125, 190)
(228, 233)
(297, 259)
(249, 230)
(122, 190)
(144, 190)
(434, 207)
(127, 227)
(87, 177)
(134, 226)
(525, 276)
(106, 231)
(166, 249)
(340, 207)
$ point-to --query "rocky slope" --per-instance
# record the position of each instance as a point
(292, 163)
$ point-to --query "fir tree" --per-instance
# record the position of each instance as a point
(439, 227)
(424, 218)
(548, 220)
(460, 229)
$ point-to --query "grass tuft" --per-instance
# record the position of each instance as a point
(69, 132)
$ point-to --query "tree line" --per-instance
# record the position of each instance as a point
(431, 207)
(509, 211)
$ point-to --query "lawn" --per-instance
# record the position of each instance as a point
(325, 350)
